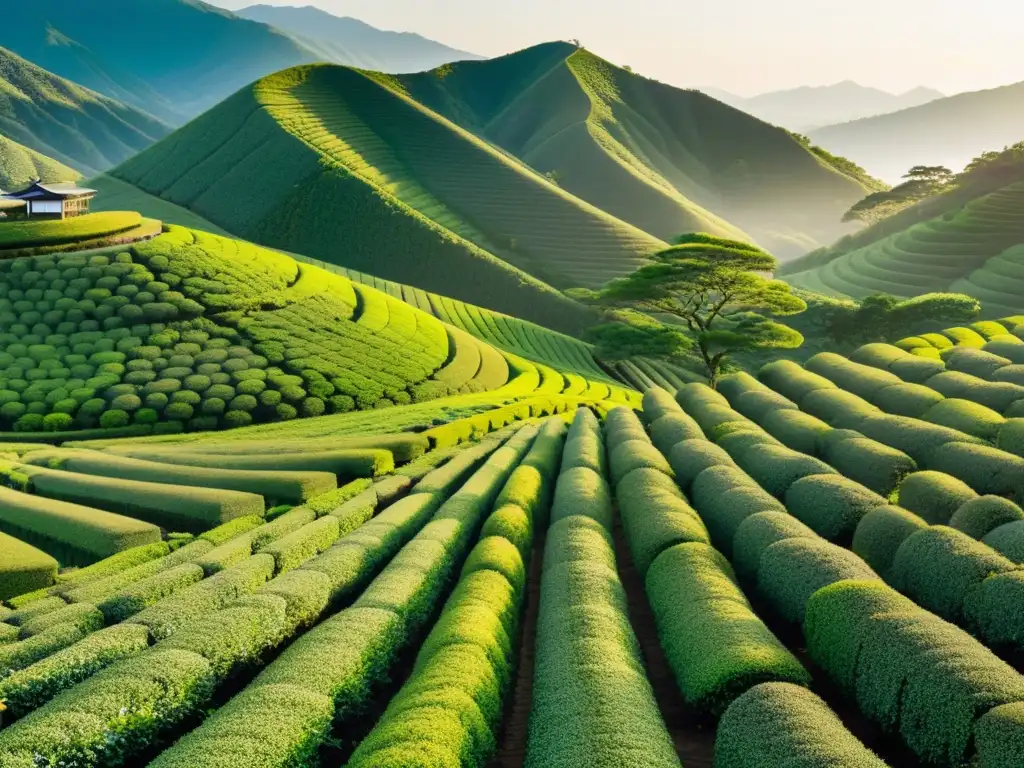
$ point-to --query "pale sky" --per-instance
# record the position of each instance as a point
(744, 46)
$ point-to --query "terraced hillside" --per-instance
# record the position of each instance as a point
(337, 137)
(19, 165)
(66, 122)
(743, 603)
(974, 250)
(663, 159)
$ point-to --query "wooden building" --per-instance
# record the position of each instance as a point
(63, 200)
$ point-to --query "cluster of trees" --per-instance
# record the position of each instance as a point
(988, 171)
(716, 296)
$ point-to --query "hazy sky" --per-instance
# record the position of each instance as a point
(746, 46)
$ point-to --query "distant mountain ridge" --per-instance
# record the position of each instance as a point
(344, 40)
(808, 107)
(173, 58)
(66, 122)
(949, 131)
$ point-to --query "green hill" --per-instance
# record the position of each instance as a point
(661, 158)
(947, 132)
(977, 249)
(66, 122)
(19, 165)
(412, 197)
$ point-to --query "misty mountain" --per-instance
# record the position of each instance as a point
(806, 108)
(344, 40)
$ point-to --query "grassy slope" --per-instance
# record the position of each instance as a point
(268, 161)
(19, 165)
(116, 195)
(171, 58)
(974, 250)
(949, 132)
(69, 123)
(661, 158)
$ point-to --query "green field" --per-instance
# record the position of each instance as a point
(973, 251)
(19, 165)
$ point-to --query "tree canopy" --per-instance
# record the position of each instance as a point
(922, 181)
(720, 291)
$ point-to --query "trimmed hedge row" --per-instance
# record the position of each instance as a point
(73, 534)
(658, 402)
(277, 487)
(831, 505)
(23, 568)
(775, 724)
(881, 532)
(174, 507)
(586, 657)
(714, 642)
(757, 533)
(466, 660)
(630, 455)
(935, 496)
(884, 651)
(329, 673)
(350, 463)
(1008, 540)
(655, 516)
(979, 517)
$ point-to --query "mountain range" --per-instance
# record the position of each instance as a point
(949, 131)
(72, 126)
(177, 58)
(502, 182)
(807, 108)
(344, 40)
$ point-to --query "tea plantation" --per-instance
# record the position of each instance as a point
(975, 250)
(258, 512)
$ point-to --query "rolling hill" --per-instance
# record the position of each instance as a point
(977, 249)
(663, 159)
(412, 197)
(948, 131)
(344, 40)
(19, 165)
(68, 123)
(807, 108)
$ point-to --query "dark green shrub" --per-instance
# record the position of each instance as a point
(975, 362)
(655, 516)
(795, 429)
(658, 402)
(993, 610)
(987, 470)
(881, 532)
(842, 410)
(783, 724)
(906, 399)
(775, 468)
(998, 736)
(870, 463)
(997, 395)
(882, 649)
(862, 380)
(756, 405)
(939, 567)
(582, 491)
(584, 450)
(831, 505)
(967, 417)
(1011, 436)
(935, 496)
(715, 644)
(1008, 540)
(979, 517)
(918, 439)
(794, 569)
(632, 455)
(725, 496)
(23, 568)
(691, 457)
(792, 380)
(673, 428)
(757, 533)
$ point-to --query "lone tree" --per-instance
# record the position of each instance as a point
(720, 290)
